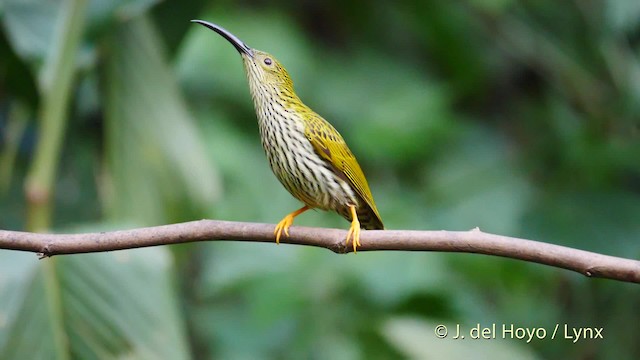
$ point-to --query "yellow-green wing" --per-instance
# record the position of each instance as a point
(330, 145)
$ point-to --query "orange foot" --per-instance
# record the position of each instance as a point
(286, 223)
(354, 230)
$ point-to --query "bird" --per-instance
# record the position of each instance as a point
(305, 152)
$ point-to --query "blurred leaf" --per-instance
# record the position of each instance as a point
(30, 26)
(476, 174)
(118, 10)
(156, 157)
(17, 270)
(108, 305)
(15, 75)
(171, 16)
(622, 15)
(378, 100)
(278, 295)
(449, 33)
(390, 279)
(605, 222)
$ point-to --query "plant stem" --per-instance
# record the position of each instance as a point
(55, 85)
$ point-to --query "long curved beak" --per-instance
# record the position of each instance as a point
(237, 43)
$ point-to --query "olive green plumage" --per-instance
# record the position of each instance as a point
(306, 153)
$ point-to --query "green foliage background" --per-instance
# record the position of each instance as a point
(519, 117)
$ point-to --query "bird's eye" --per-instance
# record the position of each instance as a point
(268, 61)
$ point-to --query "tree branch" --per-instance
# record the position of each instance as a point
(473, 241)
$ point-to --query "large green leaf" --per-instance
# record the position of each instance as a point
(92, 306)
(155, 155)
(30, 24)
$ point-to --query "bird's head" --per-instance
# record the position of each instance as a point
(261, 67)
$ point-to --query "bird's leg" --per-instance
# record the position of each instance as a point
(354, 230)
(285, 223)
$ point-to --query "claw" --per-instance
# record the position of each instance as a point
(283, 225)
(286, 223)
(354, 230)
